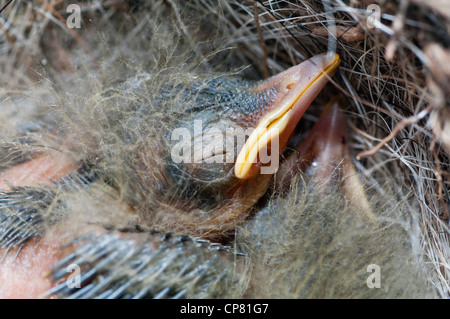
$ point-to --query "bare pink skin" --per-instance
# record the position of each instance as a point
(23, 276)
(39, 171)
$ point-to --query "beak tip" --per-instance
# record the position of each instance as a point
(319, 68)
(332, 61)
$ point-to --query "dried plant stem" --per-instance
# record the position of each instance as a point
(400, 126)
(438, 172)
(261, 39)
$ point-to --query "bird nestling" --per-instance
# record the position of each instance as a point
(198, 198)
(129, 176)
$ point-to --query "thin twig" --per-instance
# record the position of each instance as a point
(400, 126)
(261, 39)
(438, 173)
(4, 7)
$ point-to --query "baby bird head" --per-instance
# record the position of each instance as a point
(222, 139)
(202, 149)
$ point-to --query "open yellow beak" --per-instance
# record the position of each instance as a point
(298, 87)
